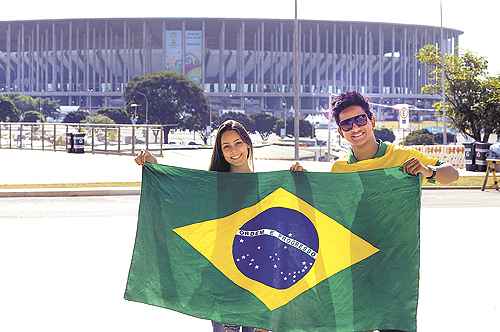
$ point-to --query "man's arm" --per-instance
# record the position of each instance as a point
(445, 173)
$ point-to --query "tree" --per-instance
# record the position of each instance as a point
(305, 128)
(8, 111)
(48, 107)
(472, 97)
(385, 134)
(419, 137)
(197, 122)
(117, 115)
(33, 116)
(169, 96)
(75, 117)
(242, 118)
(24, 103)
(264, 124)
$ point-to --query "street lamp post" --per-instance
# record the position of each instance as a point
(147, 104)
(296, 80)
(283, 105)
(443, 118)
(90, 100)
(329, 126)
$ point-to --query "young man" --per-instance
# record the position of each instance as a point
(356, 123)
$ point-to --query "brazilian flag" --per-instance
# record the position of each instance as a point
(279, 250)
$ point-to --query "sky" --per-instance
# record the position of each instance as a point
(478, 19)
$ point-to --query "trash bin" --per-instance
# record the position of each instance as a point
(79, 143)
(470, 157)
(482, 150)
(70, 147)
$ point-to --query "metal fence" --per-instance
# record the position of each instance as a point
(99, 138)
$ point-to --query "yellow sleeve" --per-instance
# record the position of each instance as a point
(425, 159)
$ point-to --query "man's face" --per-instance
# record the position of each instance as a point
(362, 127)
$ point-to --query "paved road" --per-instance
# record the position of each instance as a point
(65, 261)
(461, 199)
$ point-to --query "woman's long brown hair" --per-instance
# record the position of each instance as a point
(218, 162)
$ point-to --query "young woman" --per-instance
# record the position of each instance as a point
(232, 152)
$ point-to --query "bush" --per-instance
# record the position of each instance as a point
(451, 138)
(98, 119)
(102, 120)
(75, 117)
(305, 128)
(264, 124)
(33, 116)
(117, 115)
(385, 134)
(8, 111)
(242, 118)
(419, 137)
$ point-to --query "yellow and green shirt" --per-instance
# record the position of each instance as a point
(388, 155)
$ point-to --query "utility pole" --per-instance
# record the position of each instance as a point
(443, 118)
(296, 82)
(329, 126)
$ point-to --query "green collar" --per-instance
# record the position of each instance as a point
(382, 148)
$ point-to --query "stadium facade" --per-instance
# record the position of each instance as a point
(240, 63)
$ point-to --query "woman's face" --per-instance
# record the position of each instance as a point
(235, 151)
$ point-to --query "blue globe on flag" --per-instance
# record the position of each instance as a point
(277, 247)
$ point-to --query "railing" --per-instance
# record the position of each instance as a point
(99, 138)
(453, 154)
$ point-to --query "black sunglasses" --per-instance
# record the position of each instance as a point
(360, 121)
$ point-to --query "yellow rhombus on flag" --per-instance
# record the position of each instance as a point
(337, 248)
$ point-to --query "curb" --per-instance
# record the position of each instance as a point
(452, 188)
(78, 192)
(107, 190)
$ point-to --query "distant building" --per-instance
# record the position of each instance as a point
(240, 63)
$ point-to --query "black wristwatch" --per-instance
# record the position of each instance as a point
(433, 175)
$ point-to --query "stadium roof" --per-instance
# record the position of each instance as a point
(324, 10)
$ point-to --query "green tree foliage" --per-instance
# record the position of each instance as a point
(264, 124)
(75, 117)
(33, 116)
(117, 115)
(198, 122)
(8, 111)
(48, 107)
(242, 118)
(472, 97)
(24, 104)
(450, 138)
(385, 134)
(98, 119)
(170, 96)
(305, 128)
(419, 137)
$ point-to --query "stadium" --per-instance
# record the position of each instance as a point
(242, 64)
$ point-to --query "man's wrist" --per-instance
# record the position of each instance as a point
(430, 173)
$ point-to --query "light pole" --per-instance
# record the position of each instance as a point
(443, 118)
(329, 126)
(90, 100)
(147, 104)
(296, 80)
(283, 105)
